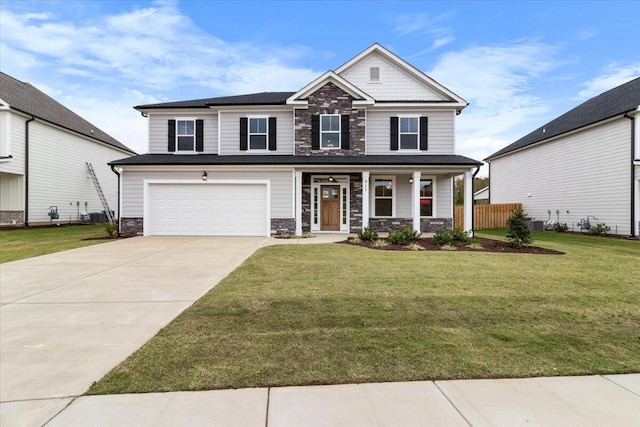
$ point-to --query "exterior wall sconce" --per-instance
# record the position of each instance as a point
(331, 178)
(204, 176)
(411, 180)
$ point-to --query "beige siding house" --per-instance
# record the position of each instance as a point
(44, 150)
(584, 165)
(370, 144)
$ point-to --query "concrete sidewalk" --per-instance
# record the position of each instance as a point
(612, 400)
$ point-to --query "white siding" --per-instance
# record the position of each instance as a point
(158, 130)
(281, 188)
(444, 203)
(11, 192)
(230, 133)
(586, 173)
(58, 174)
(441, 132)
(16, 133)
(395, 84)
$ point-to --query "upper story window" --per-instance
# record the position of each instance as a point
(258, 133)
(426, 197)
(185, 134)
(409, 131)
(330, 131)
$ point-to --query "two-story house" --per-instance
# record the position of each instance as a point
(369, 144)
(44, 151)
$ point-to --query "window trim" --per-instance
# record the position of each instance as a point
(185, 119)
(400, 133)
(266, 146)
(339, 131)
(431, 178)
(391, 178)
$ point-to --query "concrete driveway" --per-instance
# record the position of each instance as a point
(68, 318)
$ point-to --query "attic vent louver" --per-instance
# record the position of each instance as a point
(374, 74)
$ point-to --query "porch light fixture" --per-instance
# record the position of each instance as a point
(204, 176)
(331, 178)
(411, 180)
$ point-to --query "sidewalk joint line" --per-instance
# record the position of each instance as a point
(73, 399)
(266, 419)
(619, 385)
(466, 420)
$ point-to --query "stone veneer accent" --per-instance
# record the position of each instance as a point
(330, 99)
(427, 225)
(283, 226)
(131, 227)
(8, 217)
(355, 203)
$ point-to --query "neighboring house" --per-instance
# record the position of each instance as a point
(481, 197)
(369, 144)
(581, 165)
(44, 148)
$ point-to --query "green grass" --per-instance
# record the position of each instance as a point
(23, 243)
(329, 314)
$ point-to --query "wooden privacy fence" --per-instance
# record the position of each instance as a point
(487, 216)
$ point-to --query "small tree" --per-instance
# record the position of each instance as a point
(518, 232)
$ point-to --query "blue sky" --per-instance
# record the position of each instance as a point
(519, 64)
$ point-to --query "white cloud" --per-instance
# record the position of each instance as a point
(497, 81)
(613, 75)
(91, 66)
(422, 23)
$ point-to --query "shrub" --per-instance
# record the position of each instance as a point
(355, 241)
(561, 227)
(442, 237)
(459, 235)
(367, 234)
(112, 229)
(600, 228)
(518, 232)
(415, 247)
(397, 237)
(380, 243)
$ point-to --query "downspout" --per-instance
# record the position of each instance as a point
(117, 173)
(633, 177)
(26, 170)
(473, 207)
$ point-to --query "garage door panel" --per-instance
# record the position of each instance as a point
(208, 209)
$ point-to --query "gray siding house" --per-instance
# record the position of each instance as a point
(368, 144)
(581, 165)
(44, 148)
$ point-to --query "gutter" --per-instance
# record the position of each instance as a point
(26, 170)
(632, 217)
(113, 169)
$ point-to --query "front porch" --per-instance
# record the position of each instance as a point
(385, 200)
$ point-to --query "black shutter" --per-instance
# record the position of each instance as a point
(199, 135)
(243, 134)
(344, 131)
(394, 134)
(315, 132)
(424, 133)
(272, 134)
(171, 136)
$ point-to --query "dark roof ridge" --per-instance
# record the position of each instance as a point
(257, 98)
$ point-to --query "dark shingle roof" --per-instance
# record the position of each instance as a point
(262, 98)
(26, 98)
(214, 159)
(616, 101)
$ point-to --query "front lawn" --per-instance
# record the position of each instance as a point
(23, 243)
(328, 314)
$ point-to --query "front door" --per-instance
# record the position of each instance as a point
(330, 208)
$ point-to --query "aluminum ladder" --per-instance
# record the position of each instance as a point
(96, 184)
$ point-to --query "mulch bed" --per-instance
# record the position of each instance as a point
(488, 245)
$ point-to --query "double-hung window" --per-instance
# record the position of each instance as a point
(383, 197)
(426, 197)
(409, 133)
(330, 131)
(258, 133)
(185, 135)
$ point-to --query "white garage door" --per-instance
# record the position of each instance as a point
(206, 209)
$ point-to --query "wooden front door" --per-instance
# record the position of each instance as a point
(330, 208)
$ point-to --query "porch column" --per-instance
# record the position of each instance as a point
(415, 200)
(468, 203)
(365, 199)
(298, 199)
